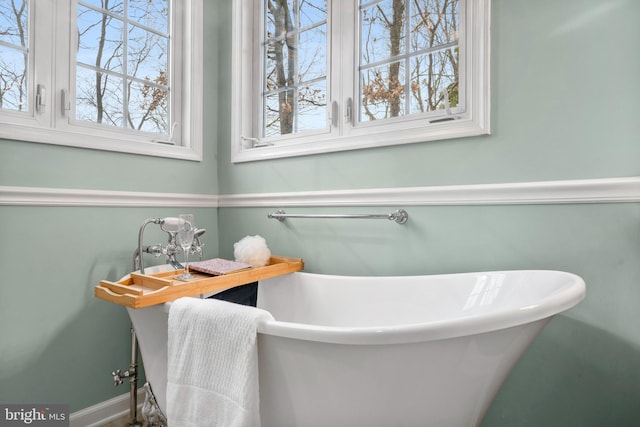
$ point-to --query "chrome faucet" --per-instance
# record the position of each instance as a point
(170, 226)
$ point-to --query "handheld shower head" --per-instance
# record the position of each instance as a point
(170, 224)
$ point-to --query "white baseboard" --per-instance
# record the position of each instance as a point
(105, 412)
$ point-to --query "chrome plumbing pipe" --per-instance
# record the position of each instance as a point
(140, 234)
(133, 380)
(132, 375)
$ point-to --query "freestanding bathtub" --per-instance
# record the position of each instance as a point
(384, 351)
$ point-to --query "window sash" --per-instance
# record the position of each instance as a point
(28, 98)
(295, 84)
(124, 73)
(470, 117)
(406, 53)
(56, 125)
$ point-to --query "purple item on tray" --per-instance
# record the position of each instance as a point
(218, 266)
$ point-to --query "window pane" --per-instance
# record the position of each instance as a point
(383, 34)
(279, 113)
(433, 23)
(14, 55)
(430, 57)
(295, 73)
(100, 41)
(99, 97)
(312, 55)
(434, 80)
(312, 111)
(149, 107)
(152, 14)
(147, 54)
(312, 12)
(279, 66)
(122, 76)
(113, 6)
(383, 92)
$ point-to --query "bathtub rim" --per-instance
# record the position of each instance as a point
(546, 307)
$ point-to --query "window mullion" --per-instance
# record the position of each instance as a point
(42, 57)
(64, 63)
(125, 65)
(179, 117)
(348, 53)
(465, 52)
(407, 59)
(296, 75)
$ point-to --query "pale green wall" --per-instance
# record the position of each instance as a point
(59, 344)
(584, 370)
(564, 106)
(563, 94)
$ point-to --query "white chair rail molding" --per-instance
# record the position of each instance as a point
(603, 190)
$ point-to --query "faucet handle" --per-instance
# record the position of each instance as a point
(117, 377)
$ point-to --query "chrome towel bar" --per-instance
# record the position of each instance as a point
(400, 216)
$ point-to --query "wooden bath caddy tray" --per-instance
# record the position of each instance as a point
(143, 290)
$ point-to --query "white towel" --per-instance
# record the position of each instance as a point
(212, 377)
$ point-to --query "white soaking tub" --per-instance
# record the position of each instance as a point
(384, 351)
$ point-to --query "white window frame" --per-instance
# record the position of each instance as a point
(52, 29)
(246, 143)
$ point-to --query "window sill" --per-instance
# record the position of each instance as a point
(446, 130)
(100, 142)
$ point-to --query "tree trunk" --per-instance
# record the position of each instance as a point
(101, 43)
(285, 76)
(395, 33)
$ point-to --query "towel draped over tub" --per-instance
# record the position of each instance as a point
(212, 377)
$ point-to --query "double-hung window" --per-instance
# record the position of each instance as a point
(120, 75)
(313, 76)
